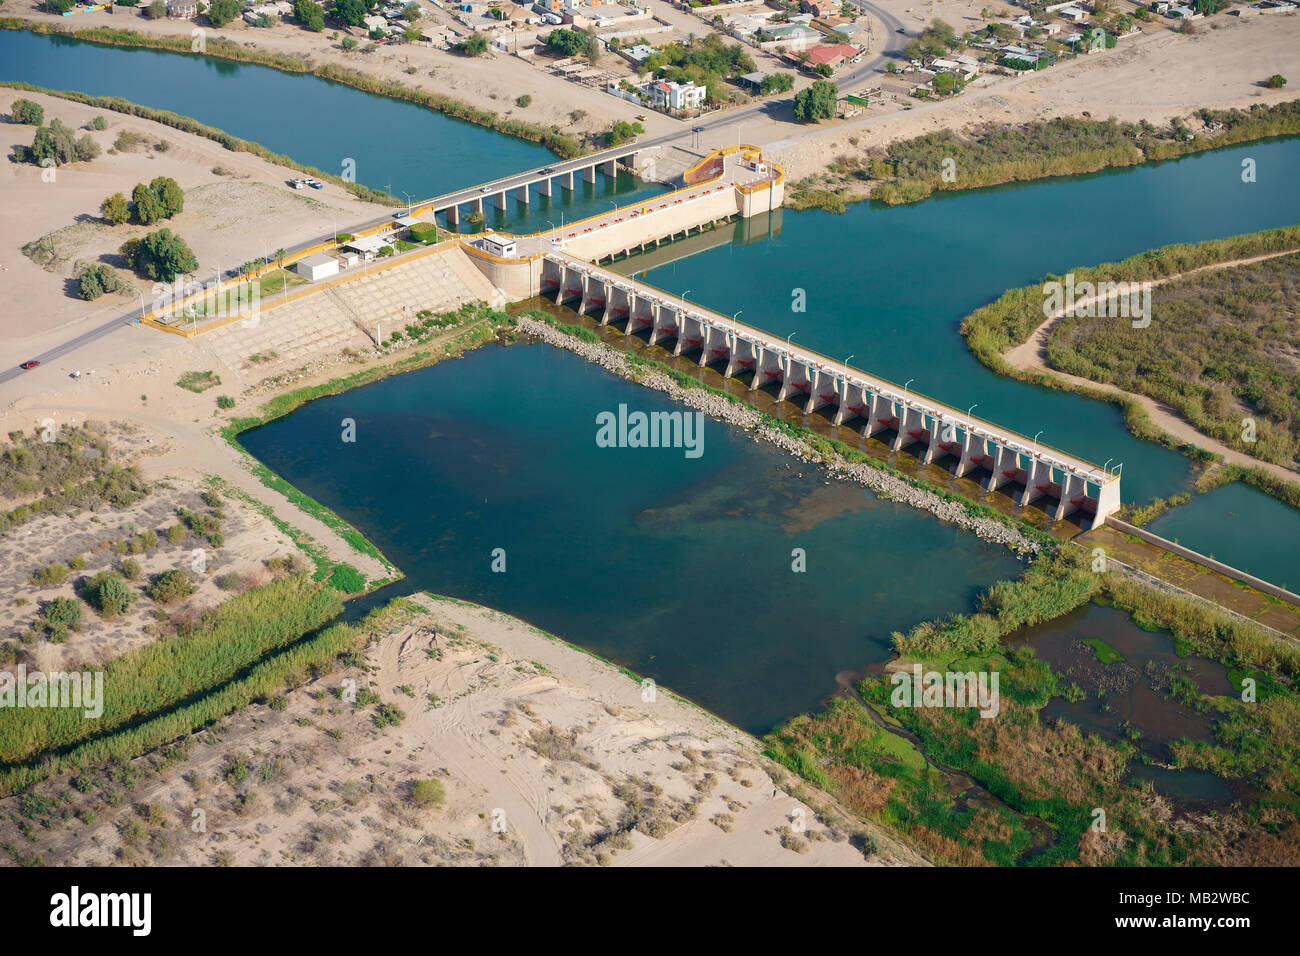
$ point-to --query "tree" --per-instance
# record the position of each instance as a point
(156, 10)
(524, 101)
(115, 209)
(824, 69)
(622, 132)
(1275, 82)
(310, 14)
(816, 102)
(170, 195)
(411, 11)
(351, 12)
(348, 43)
(148, 207)
(777, 83)
(95, 280)
(944, 82)
(109, 594)
(56, 144)
(27, 113)
(222, 12)
(573, 43)
(473, 45)
(163, 255)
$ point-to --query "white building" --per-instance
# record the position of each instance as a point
(319, 266)
(373, 23)
(504, 246)
(676, 96)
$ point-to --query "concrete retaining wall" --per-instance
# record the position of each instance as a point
(1197, 558)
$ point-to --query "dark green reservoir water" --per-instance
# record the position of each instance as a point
(678, 568)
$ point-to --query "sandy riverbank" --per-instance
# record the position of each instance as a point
(545, 756)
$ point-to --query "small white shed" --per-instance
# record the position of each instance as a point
(318, 266)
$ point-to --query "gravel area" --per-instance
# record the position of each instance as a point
(716, 406)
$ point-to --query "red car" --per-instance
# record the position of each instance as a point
(32, 364)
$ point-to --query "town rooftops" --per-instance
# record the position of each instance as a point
(831, 53)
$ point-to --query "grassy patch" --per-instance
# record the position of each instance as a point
(1105, 653)
(198, 381)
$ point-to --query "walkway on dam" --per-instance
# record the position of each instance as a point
(814, 380)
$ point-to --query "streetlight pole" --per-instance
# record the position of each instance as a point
(736, 317)
(968, 411)
(1040, 431)
(408, 202)
(905, 384)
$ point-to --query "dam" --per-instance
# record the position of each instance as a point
(729, 184)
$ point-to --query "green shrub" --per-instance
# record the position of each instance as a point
(424, 232)
(389, 715)
(427, 793)
(27, 113)
(225, 401)
(64, 611)
(129, 568)
(108, 593)
(169, 587)
(51, 576)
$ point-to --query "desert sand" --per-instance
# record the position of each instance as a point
(546, 756)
